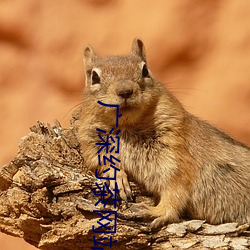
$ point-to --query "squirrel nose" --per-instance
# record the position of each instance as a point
(124, 93)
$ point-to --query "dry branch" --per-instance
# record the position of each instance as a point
(46, 197)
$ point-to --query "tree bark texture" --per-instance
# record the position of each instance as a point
(46, 198)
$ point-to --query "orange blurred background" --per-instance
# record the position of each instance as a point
(200, 49)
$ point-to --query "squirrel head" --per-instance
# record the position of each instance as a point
(121, 80)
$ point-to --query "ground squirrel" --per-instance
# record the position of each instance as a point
(190, 166)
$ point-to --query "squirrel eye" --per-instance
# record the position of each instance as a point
(95, 78)
(145, 72)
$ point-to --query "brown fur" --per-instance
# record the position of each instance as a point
(191, 166)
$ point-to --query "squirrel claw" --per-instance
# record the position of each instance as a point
(123, 185)
(158, 223)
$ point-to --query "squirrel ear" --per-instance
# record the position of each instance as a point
(138, 49)
(89, 57)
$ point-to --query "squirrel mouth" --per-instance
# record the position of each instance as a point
(126, 104)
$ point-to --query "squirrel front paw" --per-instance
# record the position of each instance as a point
(161, 216)
(123, 185)
(125, 192)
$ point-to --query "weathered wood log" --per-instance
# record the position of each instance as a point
(46, 197)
